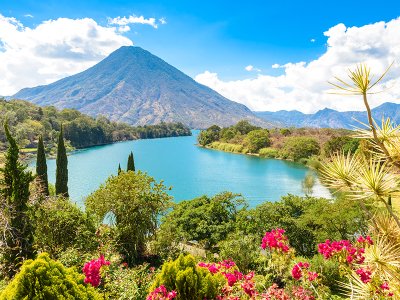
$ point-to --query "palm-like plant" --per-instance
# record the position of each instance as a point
(372, 174)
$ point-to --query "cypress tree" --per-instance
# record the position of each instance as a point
(131, 163)
(41, 167)
(119, 169)
(18, 237)
(62, 167)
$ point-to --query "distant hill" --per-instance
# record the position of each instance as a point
(134, 86)
(330, 118)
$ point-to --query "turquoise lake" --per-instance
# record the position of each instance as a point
(190, 170)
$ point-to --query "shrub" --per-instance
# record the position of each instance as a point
(44, 278)
(341, 143)
(188, 280)
(60, 224)
(227, 147)
(244, 250)
(206, 220)
(257, 139)
(268, 152)
(300, 147)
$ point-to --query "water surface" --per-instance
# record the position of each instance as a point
(190, 170)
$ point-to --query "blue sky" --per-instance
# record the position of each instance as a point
(221, 37)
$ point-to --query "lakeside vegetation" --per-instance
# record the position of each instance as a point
(297, 144)
(211, 247)
(27, 121)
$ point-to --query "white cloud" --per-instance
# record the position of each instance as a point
(251, 68)
(28, 16)
(312, 40)
(51, 50)
(276, 66)
(304, 86)
(124, 22)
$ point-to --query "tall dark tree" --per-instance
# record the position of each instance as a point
(131, 163)
(18, 238)
(62, 167)
(41, 167)
(119, 169)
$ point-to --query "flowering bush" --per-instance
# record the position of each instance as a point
(161, 293)
(275, 240)
(92, 270)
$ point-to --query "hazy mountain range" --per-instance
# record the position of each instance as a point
(134, 86)
(331, 118)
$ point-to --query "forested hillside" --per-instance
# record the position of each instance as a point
(27, 121)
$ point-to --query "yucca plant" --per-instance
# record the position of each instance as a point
(371, 174)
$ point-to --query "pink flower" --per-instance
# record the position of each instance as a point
(161, 293)
(275, 239)
(365, 274)
(384, 286)
(312, 276)
(92, 270)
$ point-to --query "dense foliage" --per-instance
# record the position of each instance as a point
(133, 203)
(41, 167)
(294, 143)
(61, 167)
(188, 280)
(27, 121)
(61, 225)
(17, 232)
(44, 278)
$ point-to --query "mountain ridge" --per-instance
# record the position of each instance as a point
(331, 118)
(134, 86)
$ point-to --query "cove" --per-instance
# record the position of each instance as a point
(191, 171)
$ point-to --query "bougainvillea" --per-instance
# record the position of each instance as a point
(92, 270)
(161, 293)
(275, 240)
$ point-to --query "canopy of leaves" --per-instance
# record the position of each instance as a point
(60, 225)
(206, 220)
(135, 201)
(28, 121)
(296, 148)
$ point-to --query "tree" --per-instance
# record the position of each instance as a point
(131, 163)
(207, 220)
(257, 139)
(41, 167)
(119, 169)
(135, 201)
(308, 183)
(244, 127)
(300, 147)
(16, 240)
(62, 167)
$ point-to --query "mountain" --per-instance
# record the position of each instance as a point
(134, 86)
(331, 118)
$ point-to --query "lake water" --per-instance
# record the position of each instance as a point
(190, 170)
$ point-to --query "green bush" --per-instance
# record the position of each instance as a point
(243, 249)
(227, 147)
(257, 139)
(268, 152)
(188, 280)
(44, 278)
(60, 224)
(341, 143)
(297, 148)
